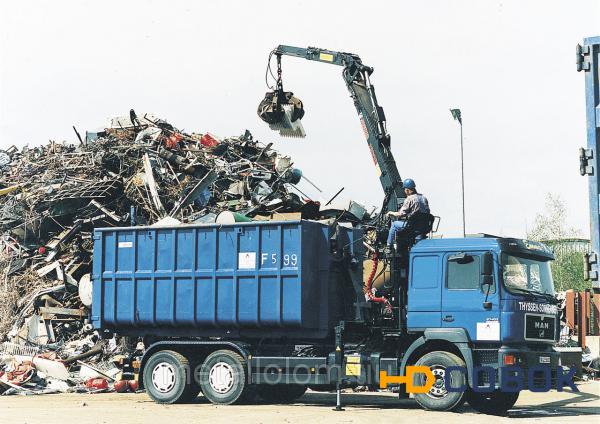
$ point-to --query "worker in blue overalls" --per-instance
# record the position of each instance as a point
(414, 203)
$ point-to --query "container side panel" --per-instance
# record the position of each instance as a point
(109, 301)
(227, 258)
(185, 250)
(125, 251)
(206, 242)
(247, 255)
(226, 301)
(109, 252)
(125, 301)
(270, 247)
(97, 267)
(165, 301)
(270, 300)
(145, 302)
(205, 301)
(291, 247)
(249, 240)
(194, 280)
(248, 301)
(184, 300)
(165, 254)
(145, 248)
(292, 300)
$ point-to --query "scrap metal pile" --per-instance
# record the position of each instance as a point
(137, 171)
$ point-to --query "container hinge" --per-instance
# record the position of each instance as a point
(581, 60)
(590, 259)
(584, 156)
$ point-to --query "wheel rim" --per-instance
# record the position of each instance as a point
(438, 390)
(220, 377)
(163, 377)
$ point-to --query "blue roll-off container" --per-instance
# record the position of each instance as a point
(255, 279)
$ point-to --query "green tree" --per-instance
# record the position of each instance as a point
(551, 228)
(552, 224)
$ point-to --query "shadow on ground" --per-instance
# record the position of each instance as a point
(561, 408)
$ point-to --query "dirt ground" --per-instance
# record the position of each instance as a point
(583, 407)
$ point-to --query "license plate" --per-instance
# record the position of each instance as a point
(544, 359)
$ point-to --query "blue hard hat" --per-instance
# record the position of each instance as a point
(408, 183)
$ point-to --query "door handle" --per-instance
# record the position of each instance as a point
(448, 318)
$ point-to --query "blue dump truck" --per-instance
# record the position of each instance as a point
(270, 309)
(275, 308)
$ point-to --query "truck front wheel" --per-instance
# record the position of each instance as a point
(494, 403)
(223, 377)
(439, 398)
(167, 378)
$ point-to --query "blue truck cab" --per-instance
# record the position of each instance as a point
(508, 317)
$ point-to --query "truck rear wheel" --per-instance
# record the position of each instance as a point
(494, 403)
(223, 377)
(439, 398)
(280, 393)
(167, 378)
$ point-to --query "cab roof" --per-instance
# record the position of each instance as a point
(485, 242)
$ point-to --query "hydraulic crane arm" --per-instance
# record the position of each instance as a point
(372, 118)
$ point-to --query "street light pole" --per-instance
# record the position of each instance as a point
(456, 114)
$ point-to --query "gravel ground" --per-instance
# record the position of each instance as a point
(583, 407)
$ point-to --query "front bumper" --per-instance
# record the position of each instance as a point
(533, 366)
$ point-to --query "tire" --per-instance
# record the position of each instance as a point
(167, 377)
(280, 393)
(494, 403)
(438, 398)
(223, 377)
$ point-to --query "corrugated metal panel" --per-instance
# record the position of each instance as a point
(213, 279)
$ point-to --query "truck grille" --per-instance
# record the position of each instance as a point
(486, 356)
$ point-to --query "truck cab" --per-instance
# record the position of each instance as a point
(496, 294)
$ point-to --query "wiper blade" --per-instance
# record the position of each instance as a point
(534, 293)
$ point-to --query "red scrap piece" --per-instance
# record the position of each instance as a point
(22, 373)
(133, 385)
(96, 383)
(207, 140)
(172, 141)
(121, 386)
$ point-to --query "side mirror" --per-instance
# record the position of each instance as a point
(488, 264)
(487, 277)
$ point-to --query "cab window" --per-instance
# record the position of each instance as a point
(464, 272)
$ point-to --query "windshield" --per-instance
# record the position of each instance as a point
(522, 273)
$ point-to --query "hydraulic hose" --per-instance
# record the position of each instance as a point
(369, 285)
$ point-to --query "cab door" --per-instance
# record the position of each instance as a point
(464, 303)
(424, 296)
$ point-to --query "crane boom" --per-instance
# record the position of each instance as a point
(372, 118)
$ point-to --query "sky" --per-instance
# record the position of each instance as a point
(508, 65)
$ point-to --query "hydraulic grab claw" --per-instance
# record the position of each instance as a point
(280, 109)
